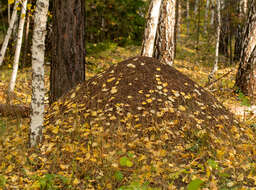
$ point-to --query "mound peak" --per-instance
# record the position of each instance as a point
(146, 108)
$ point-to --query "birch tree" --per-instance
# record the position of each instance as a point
(151, 28)
(38, 50)
(196, 6)
(206, 15)
(165, 41)
(9, 32)
(18, 46)
(212, 11)
(215, 67)
(187, 16)
(245, 77)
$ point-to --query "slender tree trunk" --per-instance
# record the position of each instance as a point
(225, 30)
(165, 41)
(177, 25)
(198, 25)
(9, 32)
(245, 77)
(151, 28)
(239, 31)
(26, 42)
(196, 6)
(187, 15)
(38, 50)
(215, 67)
(206, 15)
(18, 46)
(238, 43)
(9, 12)
(212, 11)
(68, 58)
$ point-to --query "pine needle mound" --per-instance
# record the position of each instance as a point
(144, 121)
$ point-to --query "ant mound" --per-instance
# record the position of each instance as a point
(144, 121)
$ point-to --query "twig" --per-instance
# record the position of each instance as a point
(211, 83)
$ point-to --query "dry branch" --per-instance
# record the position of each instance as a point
(14, 110)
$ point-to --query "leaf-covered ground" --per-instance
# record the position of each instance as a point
(157, 134)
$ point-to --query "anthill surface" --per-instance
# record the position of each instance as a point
(145, 107)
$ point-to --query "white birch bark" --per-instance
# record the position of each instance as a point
(38, 50)
(18, 46)
(165, 41)
(150, 30)
(9, 12)
(187, 16)
(9, 32)
(215, 67)
(212, 12)
(245, 6)
(196, 6)
(206, 15)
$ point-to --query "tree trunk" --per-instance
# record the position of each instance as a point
(196, 6)
(198, 24)
(212, 11)
(206, 15)
(177, 24)
(215, 67)
(224, 35)
(68, 58)
(151, 28)
(245, 77)
(187, 16)
(165, 41)
(238, 42)
(9, 32)
(26, 42)
(9, 12)
(18, 46)
(239, 31)
(38, 50)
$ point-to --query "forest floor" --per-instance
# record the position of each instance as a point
(196, 64)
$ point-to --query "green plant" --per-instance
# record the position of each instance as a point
(195, 184)
(2, 127)
(244, 99)
(2, 181)
(51, 182)
(137, 186)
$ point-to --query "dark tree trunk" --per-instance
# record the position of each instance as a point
(238, 43)
(68, 53)
(224, 39)
(246, 75)
(239, 32)
(224, 34)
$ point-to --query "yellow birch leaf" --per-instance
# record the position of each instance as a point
(10, 2)
(165, 84)
(73, 95)
(149, 100)
(76, 181)
(181, 108)
(55, 130)
(63, 166)
(111, 79)
(113, 90)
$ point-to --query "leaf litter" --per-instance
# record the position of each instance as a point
(172, 133)
(145, 122)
